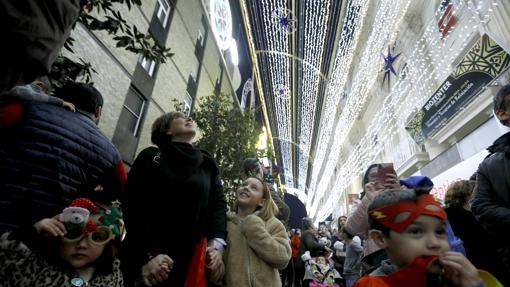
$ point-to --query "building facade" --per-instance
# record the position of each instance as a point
(436, 119)
(136, 90)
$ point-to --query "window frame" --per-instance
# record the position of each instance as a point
(137, 116)
(150, 69)
(165, 11)
(187, 106)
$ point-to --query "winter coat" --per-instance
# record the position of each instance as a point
(21, 266)
(479, 244)
(174, 197)
(37, 31)
(357, 224)
(353, 253)
(310, 243)
(50, 156)
(491, 198)
(255, 251)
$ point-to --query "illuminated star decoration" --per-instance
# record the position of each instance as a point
(282, 92)
(284, 19)
(388, 66)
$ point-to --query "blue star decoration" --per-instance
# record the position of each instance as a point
(285, 22)
(388, 66)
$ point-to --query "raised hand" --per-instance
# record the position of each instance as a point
(460, 269)
(392, 181)
(50, 227)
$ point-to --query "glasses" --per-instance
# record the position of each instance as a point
(101, 236)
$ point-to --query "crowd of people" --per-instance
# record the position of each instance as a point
(70, 215)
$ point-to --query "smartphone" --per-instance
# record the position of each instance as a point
(380, 175)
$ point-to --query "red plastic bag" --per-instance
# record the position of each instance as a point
(196, 270)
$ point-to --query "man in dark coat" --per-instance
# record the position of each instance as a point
(491, 199)
(50, 156)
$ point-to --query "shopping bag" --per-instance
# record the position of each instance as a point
(196, 270)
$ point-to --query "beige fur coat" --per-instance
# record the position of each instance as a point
(255, 251)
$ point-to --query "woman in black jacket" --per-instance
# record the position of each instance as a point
(174, 198)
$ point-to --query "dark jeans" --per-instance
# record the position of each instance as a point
(287, 274)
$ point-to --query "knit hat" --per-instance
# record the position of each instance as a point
(417, 181)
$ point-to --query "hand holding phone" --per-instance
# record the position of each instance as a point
(384, 176)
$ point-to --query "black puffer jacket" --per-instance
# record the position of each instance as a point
(48, 157)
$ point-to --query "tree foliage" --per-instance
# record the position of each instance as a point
(125, 35)
(230, 135)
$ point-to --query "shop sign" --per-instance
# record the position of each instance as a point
(484, 62)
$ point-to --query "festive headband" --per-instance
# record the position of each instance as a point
(425, 205)
(76, 217)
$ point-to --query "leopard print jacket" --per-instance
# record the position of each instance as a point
(19, 266)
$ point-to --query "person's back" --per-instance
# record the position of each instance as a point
(48, 156)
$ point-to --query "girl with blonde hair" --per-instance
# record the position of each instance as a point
(257, 242)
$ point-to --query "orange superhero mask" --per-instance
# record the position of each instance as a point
(399, 215)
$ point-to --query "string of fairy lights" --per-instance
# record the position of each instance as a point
(389, 14)
(428, 62)
(278, 24)
(315, 31)
(352, 25)
(279, 66)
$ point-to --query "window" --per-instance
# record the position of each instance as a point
(194, 73)
(148, 65)
(200, 38)
(187, 104)
(201, 33)
(163, 11)
(132, 112)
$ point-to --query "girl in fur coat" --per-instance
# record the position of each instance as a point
(257, 243)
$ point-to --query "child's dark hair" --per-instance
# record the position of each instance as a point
(84, 96)
(388, 197)
(345, 232)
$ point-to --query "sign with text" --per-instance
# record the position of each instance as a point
(482, 63)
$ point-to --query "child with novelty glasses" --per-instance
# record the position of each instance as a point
(75, 248)
(410, 226)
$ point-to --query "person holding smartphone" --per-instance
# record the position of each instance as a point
(377, 177)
